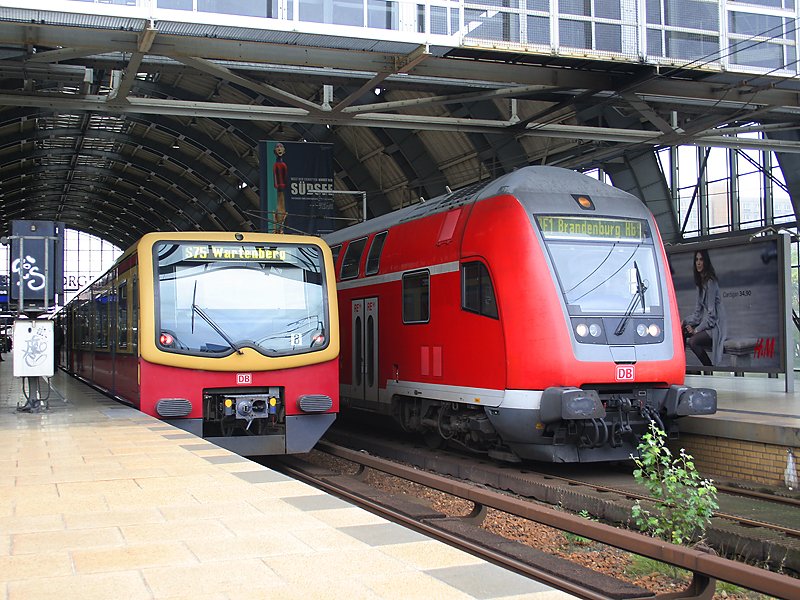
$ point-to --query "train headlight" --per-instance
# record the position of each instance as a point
(166, 339)
(641, 330)
(595, 330)
(654, 330)
(582, 329)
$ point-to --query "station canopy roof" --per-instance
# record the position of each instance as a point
(118, 126)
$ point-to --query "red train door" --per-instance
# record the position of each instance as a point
(364, 313)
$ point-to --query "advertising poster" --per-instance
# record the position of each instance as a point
(750, 323)
(37, 262)
(33, 348)
(294, 179)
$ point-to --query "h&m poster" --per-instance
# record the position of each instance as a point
(294, 179)
(748, 331)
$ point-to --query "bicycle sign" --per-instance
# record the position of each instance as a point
(33, 348)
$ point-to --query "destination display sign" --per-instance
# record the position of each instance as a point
(567, 227)
(217, 252)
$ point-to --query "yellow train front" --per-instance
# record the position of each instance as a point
(231, 336)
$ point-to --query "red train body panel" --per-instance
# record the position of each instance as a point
(233, 337)
(504, 318)
(163, 381)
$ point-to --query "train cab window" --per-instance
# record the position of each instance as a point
(352, 258)
(122, 315)
(215, 298)
(477, 293)
(416, 297)
(374, 255)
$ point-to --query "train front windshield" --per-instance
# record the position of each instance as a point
(605, 266)
(218, 298)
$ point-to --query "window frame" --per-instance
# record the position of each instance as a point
(335, 251)
(123, 327)
(350, 244)
(406, 276)
(378, 250)
(484, 273)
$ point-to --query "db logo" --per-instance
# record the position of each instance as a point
(244, 378)
(626, 373)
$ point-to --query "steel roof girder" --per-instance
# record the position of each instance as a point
(433, 123)
(140, 164)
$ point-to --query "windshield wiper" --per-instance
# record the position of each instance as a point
(215, 327)
(638, 296)
(194, 306)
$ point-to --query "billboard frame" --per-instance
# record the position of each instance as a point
(785, 324)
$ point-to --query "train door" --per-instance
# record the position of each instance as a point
(364, 313)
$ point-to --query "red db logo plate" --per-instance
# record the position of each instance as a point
(626, 373)
(244, 378)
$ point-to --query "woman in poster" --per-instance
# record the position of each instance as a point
(705, 327)
(280, 173)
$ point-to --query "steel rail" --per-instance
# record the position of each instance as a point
(737, 491)
(790, 531)
(702, 565)
(632, 495)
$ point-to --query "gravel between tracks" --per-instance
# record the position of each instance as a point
(598, 557)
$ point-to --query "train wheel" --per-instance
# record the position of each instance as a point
(433, 440)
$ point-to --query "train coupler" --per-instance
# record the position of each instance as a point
(231, 410)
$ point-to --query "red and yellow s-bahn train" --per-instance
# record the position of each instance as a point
(231, 336)
(531, 317)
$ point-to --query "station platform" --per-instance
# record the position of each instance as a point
(748, 439)
(100, 501)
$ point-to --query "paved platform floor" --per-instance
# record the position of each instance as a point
(755, 408)
(100, 501)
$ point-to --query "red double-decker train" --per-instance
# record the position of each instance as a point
(231, 336)
(531, 317)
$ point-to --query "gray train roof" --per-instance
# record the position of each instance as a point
(536, 187)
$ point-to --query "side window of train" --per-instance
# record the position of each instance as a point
(352, 258)
(122, 315)
(135, 314)
(85, 315)
(101, 319)
(88, 321)
(477, 293)
(111, 325)
(335, 251)
(374, 255)
(416, 297)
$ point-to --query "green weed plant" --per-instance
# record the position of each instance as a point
(685, 501)
(578, 540)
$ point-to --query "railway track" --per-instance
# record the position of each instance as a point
(750, 526)
(555, 571)
(792, 503)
